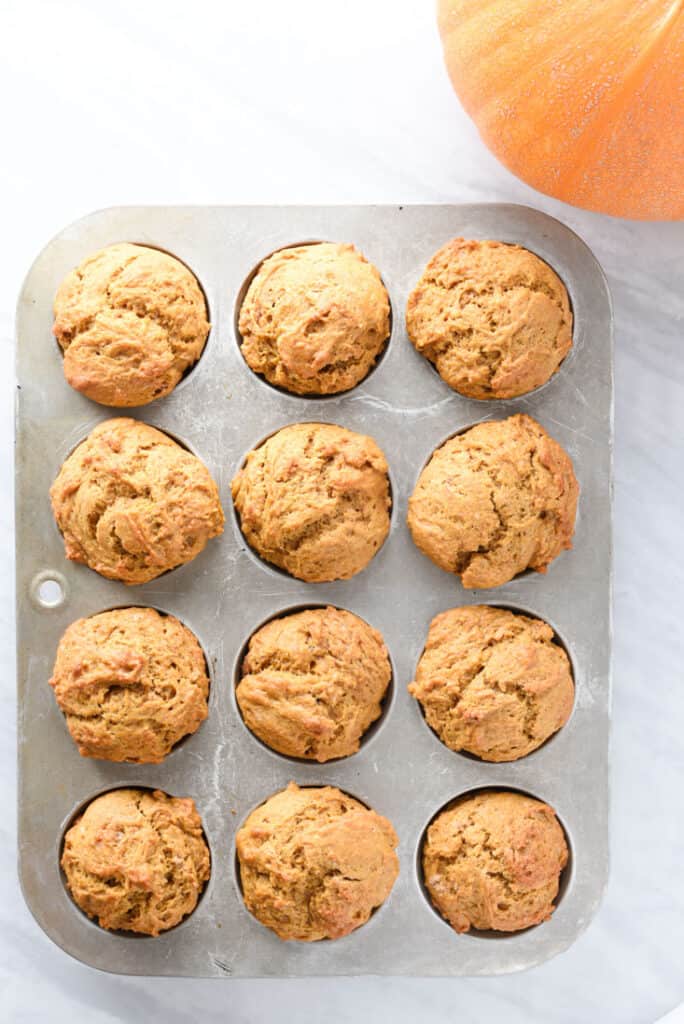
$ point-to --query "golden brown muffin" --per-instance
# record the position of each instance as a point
(492, 682)
(315, 863)
(494, 501)
(131, 684)
(131, 503)
(131, 321)
(493, 860)
(313, 682)
(314, 499)
(136, 860)
(493, 318)
(315, 318)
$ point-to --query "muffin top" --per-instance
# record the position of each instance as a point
(494, 501)
(493, 861)
(493, 318)
(315, 863)
(136, 860)
(130, 320)
(313, 682)
(131, 503)
(131, 683)
(315, 318)
(492, 682)
(314, 500)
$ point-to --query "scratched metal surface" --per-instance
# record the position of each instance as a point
(221, 410)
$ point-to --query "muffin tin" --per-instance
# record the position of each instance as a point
(221, 410)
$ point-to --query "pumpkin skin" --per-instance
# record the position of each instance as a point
(582, 99)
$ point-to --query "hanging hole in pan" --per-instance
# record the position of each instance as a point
(49, 590)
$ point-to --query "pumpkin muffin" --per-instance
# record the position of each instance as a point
(315, 863)
(136, 860)
(493, 318)
(315, 319)
(131, 684)
(132, 504)
(130, 321)
(493, 682)
(313, 682)
(496, 500)
(493, 861)
(314, 500)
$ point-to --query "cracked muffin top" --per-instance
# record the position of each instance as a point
(130, 321)
(493, 682)
(315, 318)
(314, 500)
(136, 860)
(131, 684)
(493, 861)
(313, 682)
(496, 500)
(315, 863)
(131, 503)
(493, 318)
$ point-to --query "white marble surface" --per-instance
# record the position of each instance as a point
(318, 102)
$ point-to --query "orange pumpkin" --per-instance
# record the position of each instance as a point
(582, 99)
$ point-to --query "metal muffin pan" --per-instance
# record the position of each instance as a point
(221, 411)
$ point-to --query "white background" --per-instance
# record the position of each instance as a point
(315, 101)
